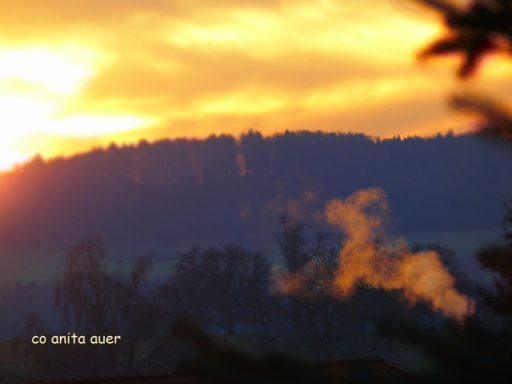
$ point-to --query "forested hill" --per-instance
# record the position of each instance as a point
(174, 193)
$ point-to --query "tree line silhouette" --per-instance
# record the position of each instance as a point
(168, 194)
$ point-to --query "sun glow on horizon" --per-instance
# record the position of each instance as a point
(10, 158)
(36, 85)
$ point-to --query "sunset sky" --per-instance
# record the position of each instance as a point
(74, 74)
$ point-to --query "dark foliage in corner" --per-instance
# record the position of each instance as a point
(458, 353)
(217, 362)
(483, 27)
(495, 118)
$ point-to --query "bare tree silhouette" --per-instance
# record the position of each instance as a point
(97, 301)
(223, 288)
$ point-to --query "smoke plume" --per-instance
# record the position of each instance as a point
(369, 258)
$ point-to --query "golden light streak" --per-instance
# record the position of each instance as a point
(242, 103)
(59, 72)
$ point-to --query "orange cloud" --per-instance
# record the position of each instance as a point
(126, 70)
